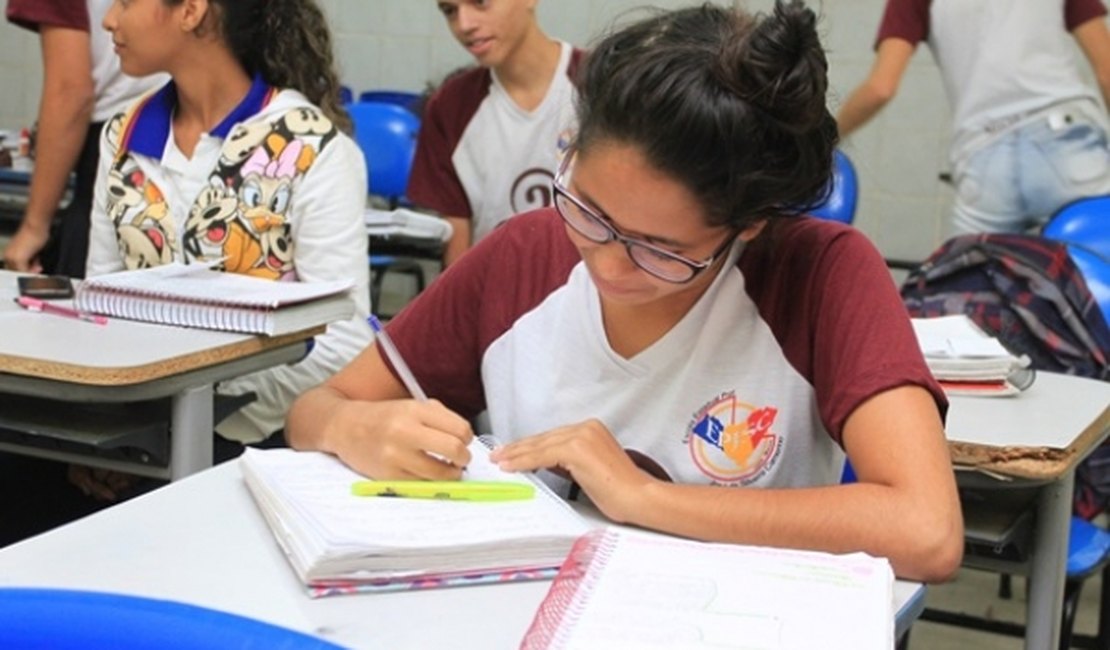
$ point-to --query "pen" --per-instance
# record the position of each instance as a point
(396, 359)
(34, 304)
(449, 490)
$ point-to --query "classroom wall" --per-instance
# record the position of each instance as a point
(404, 44)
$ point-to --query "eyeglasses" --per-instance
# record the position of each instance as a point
(659, 262)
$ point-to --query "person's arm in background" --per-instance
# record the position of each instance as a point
(1094, 39)
(65, 109)
(459, 242)
(891, 59)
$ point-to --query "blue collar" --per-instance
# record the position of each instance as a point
(149, 127)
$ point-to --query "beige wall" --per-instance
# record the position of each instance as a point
(403, 44)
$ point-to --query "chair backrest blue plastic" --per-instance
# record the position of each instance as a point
(1085, 222)
(63, 619)
(346, 95)
(387, 135)
(402, 98)
(1084, 225)
(841, 204)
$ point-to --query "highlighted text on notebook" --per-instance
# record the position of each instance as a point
(448, 490)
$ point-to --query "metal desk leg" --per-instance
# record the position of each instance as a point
(1048, 570)
(191, 431)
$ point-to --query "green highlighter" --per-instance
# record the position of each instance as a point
(448, 490)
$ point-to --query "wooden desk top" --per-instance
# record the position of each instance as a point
(1039, 434)
(45, 346)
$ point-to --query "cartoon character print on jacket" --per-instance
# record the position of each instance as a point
(144, 228)
(242, 216)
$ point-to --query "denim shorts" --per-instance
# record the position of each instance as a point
(1020, 179)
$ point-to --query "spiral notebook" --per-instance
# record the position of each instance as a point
(625, 589)
(194, 295)
(339, 543)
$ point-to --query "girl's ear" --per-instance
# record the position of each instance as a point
(752, 231)
(192, 14)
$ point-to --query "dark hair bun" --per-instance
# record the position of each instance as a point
(781, 68)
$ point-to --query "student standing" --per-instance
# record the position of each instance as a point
(676, 333)
(82, 87)
(489, 137)
(1029, 130)
(240, 158)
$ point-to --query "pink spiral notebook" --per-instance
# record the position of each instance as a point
(637, 590)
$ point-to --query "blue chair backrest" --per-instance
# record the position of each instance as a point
(1085, 222)
(841, 204)
(387, 135)
(402, 98)
(346, 95)
(1084, 225)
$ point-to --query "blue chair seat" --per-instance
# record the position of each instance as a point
(1088, 547)
(63, 619)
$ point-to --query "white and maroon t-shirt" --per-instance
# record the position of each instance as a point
(480, 156)
(114, 90)
(751, 388)
(999, 58)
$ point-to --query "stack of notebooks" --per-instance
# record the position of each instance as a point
(194, 295)
(407, 223)
(622, 589)
(964, 359)
(340, 543)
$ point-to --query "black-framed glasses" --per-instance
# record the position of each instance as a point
(659, 262)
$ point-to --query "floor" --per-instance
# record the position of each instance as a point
(976, 592)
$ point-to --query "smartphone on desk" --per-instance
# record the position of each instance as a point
(45, 287)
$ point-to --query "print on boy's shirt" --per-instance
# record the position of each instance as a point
(731, 442)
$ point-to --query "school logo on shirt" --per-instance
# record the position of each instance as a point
(531, 190)
(731, 441)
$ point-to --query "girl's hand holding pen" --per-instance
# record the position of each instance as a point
(396, 439)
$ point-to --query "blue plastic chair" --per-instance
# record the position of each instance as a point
(1084, 225)
(841, 204)
(63, 619)
(346, 95)
(1085, 222)
(387, 133)
(403, 98)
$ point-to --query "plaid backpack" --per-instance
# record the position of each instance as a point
(1027, 292)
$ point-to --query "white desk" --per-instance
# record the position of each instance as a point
(202, 541)
(44, 355)
(1035, 439)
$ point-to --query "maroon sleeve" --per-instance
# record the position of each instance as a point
(829, 299)
(1077, 12)
(33, 14)
(443, 334)
(905, 19)
(433, 182)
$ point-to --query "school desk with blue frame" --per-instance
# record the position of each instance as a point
(202, 541)
(52, 367)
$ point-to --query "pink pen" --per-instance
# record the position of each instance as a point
(34, 304)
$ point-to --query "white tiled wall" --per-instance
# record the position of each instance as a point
(403, 44)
